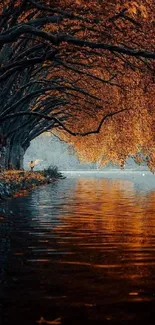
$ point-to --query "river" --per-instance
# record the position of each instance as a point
(79, 251)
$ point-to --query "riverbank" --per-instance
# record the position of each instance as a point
(14, 183)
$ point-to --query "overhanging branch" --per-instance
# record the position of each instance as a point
(60, 124)
(57, 39)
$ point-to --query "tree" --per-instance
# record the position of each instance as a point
(88, 59)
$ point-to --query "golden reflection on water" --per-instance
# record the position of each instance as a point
(115, 205)
(110, 217)
(82, 245)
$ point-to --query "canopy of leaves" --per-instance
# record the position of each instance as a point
(84, 68)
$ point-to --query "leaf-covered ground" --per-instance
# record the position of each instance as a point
(15, 182)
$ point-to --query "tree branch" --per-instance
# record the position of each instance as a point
(60, 124)
(59, 38)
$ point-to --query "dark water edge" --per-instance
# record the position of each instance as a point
(80, 251)
(15, 183)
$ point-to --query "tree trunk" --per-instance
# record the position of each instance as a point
(16, 156)
(12, 152)
(3, 145)
(2, 158)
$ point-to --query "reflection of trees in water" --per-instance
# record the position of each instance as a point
(49, 201)
(4, 249)
(110, 215)
(90, 239)
(5, 244)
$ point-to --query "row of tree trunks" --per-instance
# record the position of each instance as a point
(11, 156)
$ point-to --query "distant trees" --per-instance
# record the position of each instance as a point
(72, 66)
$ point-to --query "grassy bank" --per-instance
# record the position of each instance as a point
(13, 183)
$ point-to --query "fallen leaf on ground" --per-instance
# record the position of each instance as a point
(42, 320)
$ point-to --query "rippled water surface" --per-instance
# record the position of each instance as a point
(80, 251)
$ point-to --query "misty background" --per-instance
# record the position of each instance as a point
(50, 151)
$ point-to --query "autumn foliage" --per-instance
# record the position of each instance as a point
(85, 69)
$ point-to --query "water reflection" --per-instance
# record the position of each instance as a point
(79, 250)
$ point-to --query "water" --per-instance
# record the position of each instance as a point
(79, 251)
